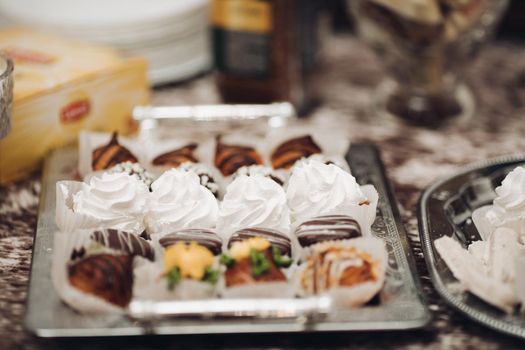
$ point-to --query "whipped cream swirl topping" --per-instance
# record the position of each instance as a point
(178, 200)
(511, 193)
(315, 188)
(253, 201)
(111, 197)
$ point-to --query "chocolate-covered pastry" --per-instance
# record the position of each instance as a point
(229, 158)
(205, 177)
(292, 150)
(327, 228)
(276, 238)
(203, 237)
(124, 242)
(113, 153)
(107, 276)
(177, 157)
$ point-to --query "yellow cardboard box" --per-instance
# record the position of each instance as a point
(60, 88)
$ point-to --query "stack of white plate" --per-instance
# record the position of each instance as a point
(172, 34)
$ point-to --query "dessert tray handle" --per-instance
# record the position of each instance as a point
(311, 308)
(207, 113)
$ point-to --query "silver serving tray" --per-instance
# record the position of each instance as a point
(445, 208)
(400, 305)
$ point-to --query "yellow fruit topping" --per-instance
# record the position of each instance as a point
(192, 260)
(241, 250)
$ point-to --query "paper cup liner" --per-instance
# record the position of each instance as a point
(83, 302)
(68, 221)
(355, 295)
(149, 285)
(366, 214)
(259, 290)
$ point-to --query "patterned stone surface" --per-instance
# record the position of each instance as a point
(413, 157)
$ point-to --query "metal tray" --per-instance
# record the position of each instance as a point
(445, 208)
(400, 304)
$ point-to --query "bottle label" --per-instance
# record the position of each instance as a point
(242, 37)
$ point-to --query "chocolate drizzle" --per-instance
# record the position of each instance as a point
(327, 228)
(113, 153)
(107, 276)
(204, 237)
(229, 158)
(275, 238)
(292, 150)
(124, 242)
(177, 157)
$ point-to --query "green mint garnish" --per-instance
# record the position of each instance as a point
(260, 264)
(211, 275)
(279, 259)
(173, 277)
(226, 260)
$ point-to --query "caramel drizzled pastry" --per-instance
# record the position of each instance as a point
(107, 276)
(276, 238)
(292, 150)
(327, 228)
(204, 237)
(124, 242)
(113, 153)
(253, 260)
(229, 158)
(177, 157)
(337, 266)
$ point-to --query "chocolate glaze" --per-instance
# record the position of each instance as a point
(276, 238)
(327, 228)
(204, 237)
(229, 158)
(177, 157)
(124, 242)
(113, 153)
(287, 153)
(107, 276)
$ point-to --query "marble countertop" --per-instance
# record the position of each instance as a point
(414, 157)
